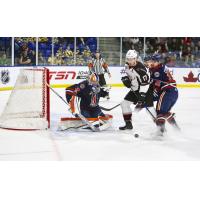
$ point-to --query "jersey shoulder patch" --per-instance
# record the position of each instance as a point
(82, 85)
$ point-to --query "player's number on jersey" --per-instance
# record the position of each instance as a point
(145, 78)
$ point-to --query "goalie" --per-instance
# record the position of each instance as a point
(89, 93)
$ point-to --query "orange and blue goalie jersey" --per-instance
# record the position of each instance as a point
(89, 95)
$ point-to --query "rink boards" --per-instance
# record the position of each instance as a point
(63, 76)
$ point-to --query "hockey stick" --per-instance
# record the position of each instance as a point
(109, 109)
(72, 127)
(95, 129)
(154, 118)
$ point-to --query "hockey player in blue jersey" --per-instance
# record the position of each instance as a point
(165, 92)
(89, 92)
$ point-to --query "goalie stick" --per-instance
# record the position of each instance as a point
(95, 129)
(109, 109)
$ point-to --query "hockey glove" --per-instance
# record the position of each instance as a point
(141, 100)
(103, 92)
(126, 81)
(95, 89)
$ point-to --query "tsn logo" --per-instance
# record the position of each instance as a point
(60, 75)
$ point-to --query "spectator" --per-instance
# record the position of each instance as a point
(175, 46)
(79, 58)
(152, 41)
(187, 54)
(41, 59)
(26, 56)
(133, 43)
(172, 44)
(42, 39)
(52, 60)
(162, 48)
(87, 55)
(68, 53)
(195, 52)
(60, 52)
(60, 56)
(3, 59)
(59, 59)
(198, 45)
(149, 48)
(187, 41)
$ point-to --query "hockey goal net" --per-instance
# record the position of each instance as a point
(28, 107)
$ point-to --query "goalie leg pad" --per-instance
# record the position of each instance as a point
(66, 123)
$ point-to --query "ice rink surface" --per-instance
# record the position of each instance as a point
(112, 144)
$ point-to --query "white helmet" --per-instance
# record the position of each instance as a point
(131, 54)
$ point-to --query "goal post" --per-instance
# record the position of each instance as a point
(28, 106)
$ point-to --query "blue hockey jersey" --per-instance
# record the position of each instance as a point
(162, 78)
(89, 95)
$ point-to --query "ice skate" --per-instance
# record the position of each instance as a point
(128, 126)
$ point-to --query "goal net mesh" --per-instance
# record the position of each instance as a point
(28, 104)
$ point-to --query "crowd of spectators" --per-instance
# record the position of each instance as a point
(182, 50)
(62, 50)
(136, 43)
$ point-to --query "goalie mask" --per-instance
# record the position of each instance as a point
(94, 83)
(93, 79)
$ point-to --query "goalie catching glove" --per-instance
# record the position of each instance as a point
(126, 81)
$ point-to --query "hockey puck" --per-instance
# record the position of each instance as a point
(136, 135)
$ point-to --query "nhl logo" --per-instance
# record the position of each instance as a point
(5, 76)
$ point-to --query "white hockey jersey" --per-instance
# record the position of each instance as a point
(139, 76)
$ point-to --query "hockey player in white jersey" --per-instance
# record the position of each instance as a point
(138, 80)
